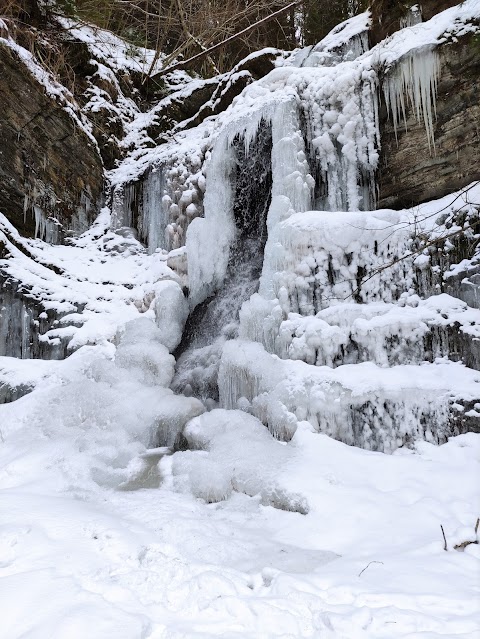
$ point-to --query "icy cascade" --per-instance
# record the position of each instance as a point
(209, 239)
(160, 205)
(341, 112)
(414, 82)
(216, 319)
(361, 404)
(340, 109)
(323, 266)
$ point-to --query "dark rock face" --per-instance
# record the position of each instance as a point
(47, 163)
(409, 172)
(431, 7)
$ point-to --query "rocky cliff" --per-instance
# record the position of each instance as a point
(51, 173)
(411, 169)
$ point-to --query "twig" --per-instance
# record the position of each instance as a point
(371, 562)
(444, 538)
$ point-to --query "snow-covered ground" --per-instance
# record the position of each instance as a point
(366, 561)
(317, 539)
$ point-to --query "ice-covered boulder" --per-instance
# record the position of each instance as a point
(232, 451)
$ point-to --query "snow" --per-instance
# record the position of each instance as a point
(118, 54)
(366, 561)
(100, 281)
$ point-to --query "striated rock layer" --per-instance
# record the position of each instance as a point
(410, 171)
(49, 166)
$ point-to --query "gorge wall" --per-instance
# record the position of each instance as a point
(50, 168)
(411, 171)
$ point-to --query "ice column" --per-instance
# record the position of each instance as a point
(341, 109)
(154, 218)
(292, 186)
(209, 239)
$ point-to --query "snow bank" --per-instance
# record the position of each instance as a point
(90, 288)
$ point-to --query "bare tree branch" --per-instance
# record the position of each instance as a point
(235, 36)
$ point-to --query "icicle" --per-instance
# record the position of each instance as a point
(39, 222)
(414, 81)
(25, 333)
(123, 199)
(154, 217)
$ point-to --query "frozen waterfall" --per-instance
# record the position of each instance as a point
(247, 190)
(265, 221)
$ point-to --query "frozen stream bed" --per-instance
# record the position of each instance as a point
(153, 563)
(156, 564)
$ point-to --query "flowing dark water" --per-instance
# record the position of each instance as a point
(215, 321)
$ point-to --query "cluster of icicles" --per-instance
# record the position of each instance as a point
(414, 81)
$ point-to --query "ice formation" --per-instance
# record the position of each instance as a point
(414, 83)
(153, 224)
(171, 312)
(360, 404)
(208, 239)
(231, 450)
(238, 317)
(161, 204)
(412, 17)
